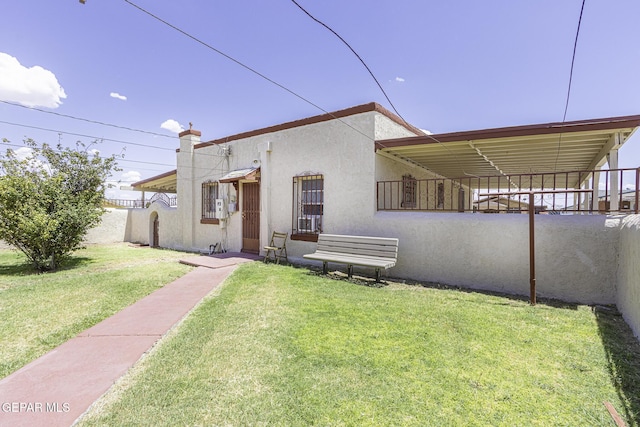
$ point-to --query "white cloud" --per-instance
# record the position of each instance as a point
(118, 96)
(428, 132)
(399, 79)
(131, 177)
(26, 153)
(172, 126)
(32, 87)
(23, 153)
(126, 179)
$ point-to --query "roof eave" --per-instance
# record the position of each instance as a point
(613, 123)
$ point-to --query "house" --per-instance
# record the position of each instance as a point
(365, 171)
(303, 177)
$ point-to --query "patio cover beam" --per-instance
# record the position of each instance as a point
(519, 150)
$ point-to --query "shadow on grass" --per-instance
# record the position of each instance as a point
(17, 269)
(23, 268)
(370, 282)
(623, 354)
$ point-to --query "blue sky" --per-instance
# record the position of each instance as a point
(447, 66)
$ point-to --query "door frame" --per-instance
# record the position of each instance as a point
(154, 240)
(250, 211)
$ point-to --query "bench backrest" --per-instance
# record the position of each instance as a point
(377, 247)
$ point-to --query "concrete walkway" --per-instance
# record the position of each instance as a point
(57, 388)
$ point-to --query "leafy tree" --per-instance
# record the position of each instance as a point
(50, 198)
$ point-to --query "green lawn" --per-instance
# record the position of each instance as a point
(41, 311)
(283, 346)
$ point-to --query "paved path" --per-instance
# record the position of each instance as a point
(60, 386)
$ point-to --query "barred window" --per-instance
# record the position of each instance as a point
(440, 195)
(409, 186)
(209, 196)
(308, 205)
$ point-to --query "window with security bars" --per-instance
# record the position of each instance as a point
(409, 186)
(209, 196)
(308, 205)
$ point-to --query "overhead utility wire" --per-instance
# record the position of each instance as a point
(566, 105)
(279, 84)
(354, 52)
(88, 120)
(245, 67)
(122, 159)
(102, 157)
(87, 136)
(378, 83)
(102, 139)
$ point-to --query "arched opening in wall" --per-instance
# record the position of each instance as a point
(154, 230)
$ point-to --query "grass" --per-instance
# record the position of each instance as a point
(41, 311)
(283, 346)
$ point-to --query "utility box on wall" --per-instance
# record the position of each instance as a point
(221, 212)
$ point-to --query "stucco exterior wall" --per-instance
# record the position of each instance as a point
(628, 292)
(137, 228)
(576, 256)
(168, 227)
(341, 150)
(112, 228)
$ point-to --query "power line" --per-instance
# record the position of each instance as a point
(378, 83)
(88, 120)
(86, 136)
(355, 53)
(122, 159)
(229, 57)
(259, 74)
(118, 159)
(566, 105)
(103, 139)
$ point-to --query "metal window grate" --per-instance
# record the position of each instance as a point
(209, 196)
(308, 204)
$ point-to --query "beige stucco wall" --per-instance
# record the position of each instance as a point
(576, 256)
(112, 228)
(341, 150)
(139, 226)
(137, 229)
(628, 292)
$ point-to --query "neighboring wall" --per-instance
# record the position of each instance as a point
(628, 292)
(112, 228)
(139, 226)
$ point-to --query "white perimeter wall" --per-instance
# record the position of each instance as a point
(576, 256)
(628, 292)
(112, 228)
(139, 226)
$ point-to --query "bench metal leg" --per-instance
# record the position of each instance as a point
(377, 275)
(349, 271)
(325, 267)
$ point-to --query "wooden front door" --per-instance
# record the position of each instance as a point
(251, 217)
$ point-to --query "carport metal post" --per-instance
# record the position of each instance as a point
(532, 251)
(532, 244)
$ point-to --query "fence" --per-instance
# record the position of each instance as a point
(171, 201)
(595, 191)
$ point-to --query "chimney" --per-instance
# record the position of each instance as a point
(189, 138)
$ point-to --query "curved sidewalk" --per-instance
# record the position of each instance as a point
(57, 388)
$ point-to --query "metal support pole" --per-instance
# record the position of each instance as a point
(532, 251)
(637, 190)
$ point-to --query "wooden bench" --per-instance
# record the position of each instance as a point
(376, 252)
